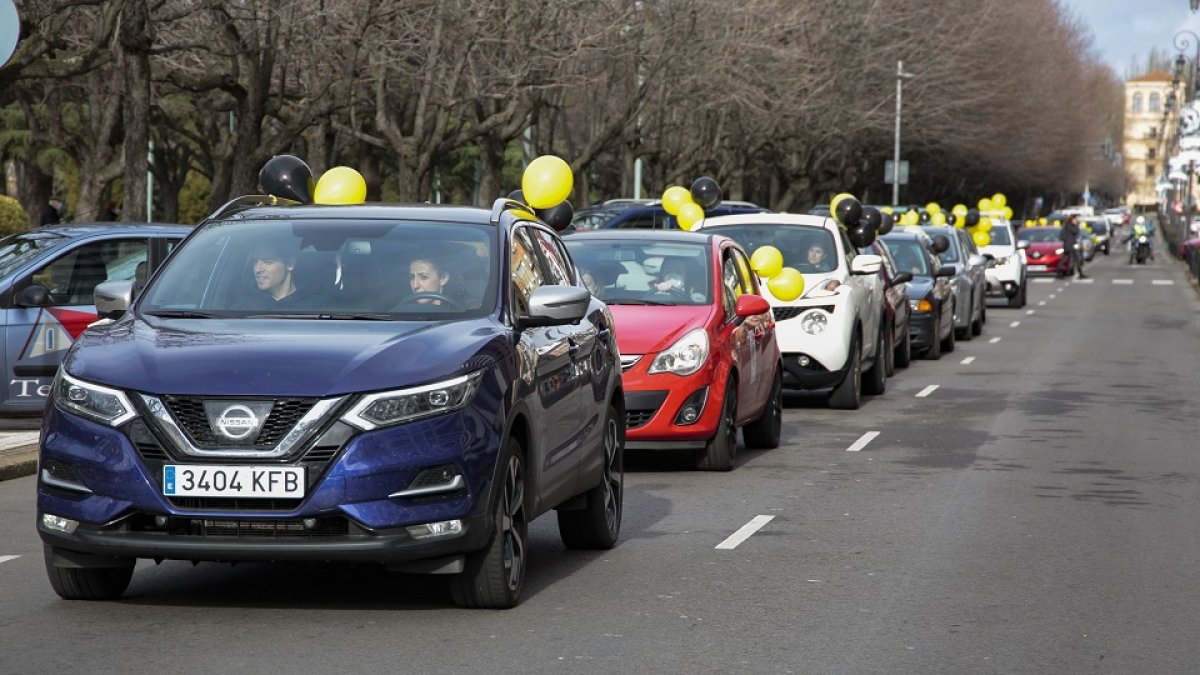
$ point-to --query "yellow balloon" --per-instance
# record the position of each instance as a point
(960, 210)
(981, 238)
(932, 208)
(766, 261)
(340, 185)
(547, 182)
(985, 204)
(1008, 214)
(674, 198)
(1030, 223)
(984, 224)
(689, 214)
(1057, 223)
(938, 219)
(958, 221)
(787, 285)
(833, 203)
(888, 210)
(999, 201)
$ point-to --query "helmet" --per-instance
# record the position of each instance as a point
(1141, 220)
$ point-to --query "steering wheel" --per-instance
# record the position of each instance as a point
(416, 298)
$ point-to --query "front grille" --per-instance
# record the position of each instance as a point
(144, 442)
(285, 413)
(785, 313)
(329, 526)
(636, 418)
(437, 475)
(60, 470)
(234, 504)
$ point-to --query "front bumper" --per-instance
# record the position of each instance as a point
(920, 331)
(346, 512)
(815, 361)
(1004, 281)
(654, 403)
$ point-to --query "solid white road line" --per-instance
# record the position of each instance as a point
(927, 391)
(744, 532)
(968, 361)
(1123, 282)
(1163, 282)
(862, 442)
(1014, 324)
(6, 558)
(1029, 312)
(994, 340)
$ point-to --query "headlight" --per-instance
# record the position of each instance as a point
(1058, 251)
(92, 401)
(814, 322)
(405, 405)
(685, 356)
(825, 289)
(921, 305)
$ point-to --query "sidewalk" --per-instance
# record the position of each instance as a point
(18, 453)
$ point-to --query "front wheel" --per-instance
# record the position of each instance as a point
(765, 431)
(875, 379)
(848, 394)
(721, 449)
(87, 583)
(598, 524)
(903, 357)
(494, 576)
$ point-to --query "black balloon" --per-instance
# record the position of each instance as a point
(287, 177)
(941, 243)
(886, 224)
(972, 217)
(861, 234)
(925, 217)
(873, 218)
(517, 196)
(849, 211)
(706, 193)
(557, 217)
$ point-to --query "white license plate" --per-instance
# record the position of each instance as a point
(1037, 268)
(183, 480)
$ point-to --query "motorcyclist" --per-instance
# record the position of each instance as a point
(1140, 228)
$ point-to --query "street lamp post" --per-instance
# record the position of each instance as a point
(901, 76)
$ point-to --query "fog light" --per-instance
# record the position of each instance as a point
(690, 411)
(309, 523)
(160, 521)
(443, 528)
(804, 361)
(59, 524)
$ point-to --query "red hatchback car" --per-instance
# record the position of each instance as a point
(698, 349)
(1045, 251)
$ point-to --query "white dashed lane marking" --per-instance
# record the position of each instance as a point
(994, 340)
(1043, 281)
(1053, 296)
(1042, 303)
(6, 558)
(1029, 312)
(1163, 282)
(1123, 282)
(744, 532)
(1014, 324)
(927, 391)
(968, 361)
(1083, 281)
(862, 442)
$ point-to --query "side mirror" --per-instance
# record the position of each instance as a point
(945, 271)
(1022, 243)
(113, 299)
(556, 306)
(33, 295)
(865, 264)
(749, 305)
(901, 278)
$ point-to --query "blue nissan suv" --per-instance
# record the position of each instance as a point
(406, 385)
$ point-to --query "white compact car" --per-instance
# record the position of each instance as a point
(832, 336)
(1007, 279)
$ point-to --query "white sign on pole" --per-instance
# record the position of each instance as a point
(889, 171)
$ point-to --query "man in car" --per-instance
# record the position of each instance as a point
(274, 263)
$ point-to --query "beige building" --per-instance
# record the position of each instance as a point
(1149, 126)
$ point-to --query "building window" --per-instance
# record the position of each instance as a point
(1151, 170)
(1137, 102)
(1153, 133)
(1155, 102)
(1150, 154)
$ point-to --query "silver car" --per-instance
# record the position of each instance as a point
(969, 281)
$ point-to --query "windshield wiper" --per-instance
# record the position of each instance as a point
(179, 314)
(634, 301)
(325, 316)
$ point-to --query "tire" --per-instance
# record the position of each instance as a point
(948, 343)
(764, 432)
(494, 576)
(87, 583)
(848, 394)
(720, 451)
(977, 325)
(875, 379)
(597, 526)
(935, 349)
(982, 314)
(964, 333)
(890, 352)
(1017, 301)
(903, 357)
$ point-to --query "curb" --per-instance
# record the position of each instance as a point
(19, 462)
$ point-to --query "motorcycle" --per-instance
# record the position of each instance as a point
(1141, 249)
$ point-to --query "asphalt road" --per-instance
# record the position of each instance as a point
(1035, 512)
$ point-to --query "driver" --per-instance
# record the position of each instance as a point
(430, 275)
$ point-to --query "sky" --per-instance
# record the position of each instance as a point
(1122, 29)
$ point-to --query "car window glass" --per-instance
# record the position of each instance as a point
(1000, 235)
(636, 222)
(749, 280)
(72, 278)
(847, 246)
(644, 271)
(967, 243)
(18, 249)
(910, 256)
(526, 274)
(558, 271)
(807, 248)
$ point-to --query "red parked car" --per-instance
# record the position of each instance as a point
(1045, 251)
(698, 349)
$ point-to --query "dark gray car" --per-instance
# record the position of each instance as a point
(969, 282)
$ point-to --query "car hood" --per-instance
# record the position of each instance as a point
(1044, 246)
(919, 286)
(281, 357)
(647, 329)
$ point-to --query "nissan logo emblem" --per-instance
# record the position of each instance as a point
(237, 422)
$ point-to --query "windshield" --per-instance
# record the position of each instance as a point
(808, 249)
(1098, 226)
(909, 255)
(643, 272)
(592, 220)
(950, 255)
(330, 269)
(1000, 235)
(17, 249)
(1040, 234)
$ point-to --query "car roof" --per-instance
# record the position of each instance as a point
(87, 229)
(373, 211)
(643, 235)
(769, 219)
(905, 234)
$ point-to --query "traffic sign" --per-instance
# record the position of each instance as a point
(889, 170)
